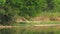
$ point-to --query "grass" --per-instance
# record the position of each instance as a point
(50, 14)
(36, 23)
(44, 22)
(47, 14)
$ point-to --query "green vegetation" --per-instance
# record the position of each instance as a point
(6, 18)
(10, 9)
(32, 23)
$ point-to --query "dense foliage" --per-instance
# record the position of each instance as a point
(25, 8)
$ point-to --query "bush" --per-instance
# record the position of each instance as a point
(27, 7)
(31, 7)
(6, 18)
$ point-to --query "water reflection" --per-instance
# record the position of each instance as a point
(31, 30)
(6, 31)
